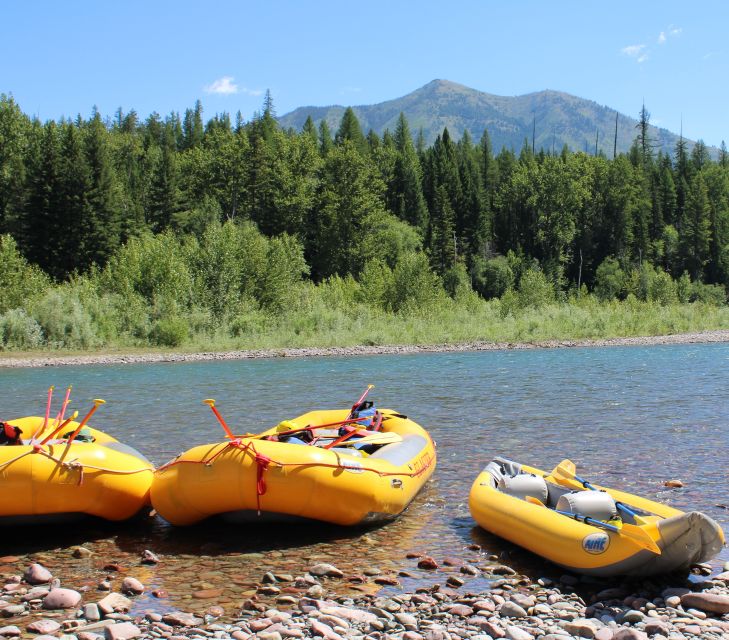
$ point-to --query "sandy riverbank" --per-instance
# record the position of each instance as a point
(57, 360)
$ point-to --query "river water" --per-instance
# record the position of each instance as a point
(630, 417)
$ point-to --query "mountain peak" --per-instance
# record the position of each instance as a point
(556, 118)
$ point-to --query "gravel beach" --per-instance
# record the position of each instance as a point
(516, 607)
(57, 360)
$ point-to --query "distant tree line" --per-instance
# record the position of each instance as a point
(74, 192)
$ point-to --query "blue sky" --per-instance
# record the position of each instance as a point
(62, 58)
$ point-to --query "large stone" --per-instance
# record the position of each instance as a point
(462, 610)
(323, 630)
(349, 613)
(132, 586)
(44, 626)
(712, 602)
(122, 631)
(426, 562)
(654, 627)
(12, 610)
(580, 628)
(626, 633)
(114, 603)
(149, 557)
(512, 610)
(61, 599)
(181, 619)
(517, 633)
(324, 569)
(10, 632)
(37, 574)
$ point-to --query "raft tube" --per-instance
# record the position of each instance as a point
(103, 478)
(510, 510)
(252, 477)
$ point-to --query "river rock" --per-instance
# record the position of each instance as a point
(461, 610)
(10, 632)
(517, 633)
(580, 627)
(114, 603)
(12, 610)
(626, 633)
(149, 557)
(654, 627)
(321, 629)
(132, 586)
(631, 616)
(426, 562)
(122, 631)
(44, 626)
(37, 574)
(61, 599)
(512, 610)
(324, 569)
(92, 612)
(181, 619)
(713, 602)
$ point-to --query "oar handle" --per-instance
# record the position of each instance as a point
(59, 428)
(211, 403)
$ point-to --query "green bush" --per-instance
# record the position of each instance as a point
(534, 290)
(457, 282)
(713, 294)
(609, 279)
(19, 281)
(493, 277)
(375, 281)
(414, 285)
(170, 332)
(19, 331)
(65, 321)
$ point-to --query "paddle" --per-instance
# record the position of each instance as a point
(566, 470)
(59, 428)
(228, 433)
(631, 531)
(97, 403)
(360, 401)
(48, 412)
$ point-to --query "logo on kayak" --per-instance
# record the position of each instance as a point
(353, 466)
(596, 543)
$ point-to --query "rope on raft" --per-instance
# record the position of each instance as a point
(263, 462)
(73, 464)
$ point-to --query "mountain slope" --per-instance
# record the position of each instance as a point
(557, 118)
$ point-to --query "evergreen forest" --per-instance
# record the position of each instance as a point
(178, 231)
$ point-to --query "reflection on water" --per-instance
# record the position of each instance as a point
(629, 417)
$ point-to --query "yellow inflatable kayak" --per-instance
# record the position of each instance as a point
(320, 466)
(589, 529)
(91, 474)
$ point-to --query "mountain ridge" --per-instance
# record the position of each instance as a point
(557, 118)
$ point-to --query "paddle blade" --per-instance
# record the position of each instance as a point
(564, 471)
(640, 536)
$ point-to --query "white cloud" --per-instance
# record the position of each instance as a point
(674, 31)
(634, 50)
(223, 86)
(671, 32)
(662, 37)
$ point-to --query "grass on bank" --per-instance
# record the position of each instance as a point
(236, 289)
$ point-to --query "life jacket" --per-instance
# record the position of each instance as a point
(9, 434)
(366, 410)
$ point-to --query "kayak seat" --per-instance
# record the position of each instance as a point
(597, 505)
(523, 485)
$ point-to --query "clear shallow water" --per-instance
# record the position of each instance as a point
(630, 417)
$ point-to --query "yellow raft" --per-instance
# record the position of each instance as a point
(595, 531)
(103, 477)
(369, 477)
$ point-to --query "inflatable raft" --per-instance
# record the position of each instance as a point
(589, 529)
(323, 465)
(89, 474)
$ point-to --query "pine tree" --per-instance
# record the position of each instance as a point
(442, 240)
(309, 129)
(695, 228)
(405, 193)
(325, 138)
(103, 223)
(350, 130)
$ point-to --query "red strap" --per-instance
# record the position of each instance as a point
(262, 463)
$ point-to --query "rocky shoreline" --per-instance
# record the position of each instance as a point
(719, 335)
(515, 607)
